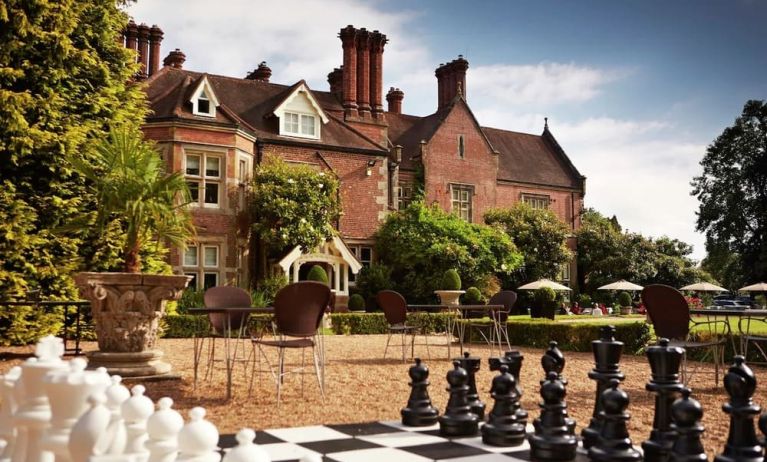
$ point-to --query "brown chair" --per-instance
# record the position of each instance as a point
(500, 318)
(670, 316)
(223, 324)
(298, 311)
(394, 307)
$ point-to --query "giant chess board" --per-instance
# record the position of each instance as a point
(388, 441)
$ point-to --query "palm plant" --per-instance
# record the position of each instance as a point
(132, 186)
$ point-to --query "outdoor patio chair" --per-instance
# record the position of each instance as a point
(670, 316)
(222, 324)
(500, 318)
(394, 307)
(298, 311)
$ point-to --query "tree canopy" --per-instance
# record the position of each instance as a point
(732, 191)
(64, 81)
(540, 236)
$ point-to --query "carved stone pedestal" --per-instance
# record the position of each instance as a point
(126, 310)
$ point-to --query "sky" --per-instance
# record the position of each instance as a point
(634, 90)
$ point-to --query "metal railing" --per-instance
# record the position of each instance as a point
(47, 305)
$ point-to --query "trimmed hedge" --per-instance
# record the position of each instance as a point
(189, 325)
(375, 323)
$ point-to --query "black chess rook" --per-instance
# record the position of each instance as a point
(687, 445)
(664, 363)
(471, 365)
(742, 444)
(502, 428)
(614, 444)
(419, 411)
(458, 419)
(607, 355)
(553, 439)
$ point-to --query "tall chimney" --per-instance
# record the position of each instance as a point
(441, 87)
(155, 38)
(175, 59)
(394, 98)
(262, 73)
(349, 42)
(143, 49)
(451, 77)
(460, 66)
(131, 33)
(363, 72)
(336, 81)
(377, 43)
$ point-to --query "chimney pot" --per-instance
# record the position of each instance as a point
(155, 39)
(175, 59)
(394, 98)
(348, 37)
(262, 73)
(143, 49)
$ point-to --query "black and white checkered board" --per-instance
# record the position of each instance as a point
(382, 442)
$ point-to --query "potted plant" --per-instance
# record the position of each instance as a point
(624, 300)
(544, 303)
(133, 189)
(451, 288)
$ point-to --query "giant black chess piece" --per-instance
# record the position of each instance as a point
(687, 446)
(554, 361)
(502, 428)
(664, 364)
(419, 411)
(742, 444)
(458, 419)
(553, 439)
(471, 365)
(607, 354)
(513, 360)
(614, 444)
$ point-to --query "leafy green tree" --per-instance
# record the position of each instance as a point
(291, 205)
(539, 235)
(64, 81)
(732, 191)
(420, 243)
(724, 265)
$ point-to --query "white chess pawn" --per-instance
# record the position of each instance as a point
(89, 437)
(67, 391)
(135, 411)
(198, 440)
(116, 395)
(162, 428)
(34, 412)
(246, 450)
(8, 409)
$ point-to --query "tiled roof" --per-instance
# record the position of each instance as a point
(247, 103)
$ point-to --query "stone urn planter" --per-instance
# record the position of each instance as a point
(449, 297)
(126, 310)
(626, 310)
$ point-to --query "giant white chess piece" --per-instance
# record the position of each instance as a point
(162, 428)
(116, 395)
(34, 413)
(68, 391)
(246, 450)
(198, 440)
(89, 435)
(135, 411)
(9, 405)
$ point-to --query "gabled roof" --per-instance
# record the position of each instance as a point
(296, 88)
(247, 104)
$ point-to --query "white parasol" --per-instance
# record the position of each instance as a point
(543, 283)
(621, 285)
(704, 287)
(758, 287)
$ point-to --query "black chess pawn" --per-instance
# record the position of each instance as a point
(458, 419)
(614, 444)
(742, 444)
(471, 365)
(554, 361)
(607, 355)
(553, 439)
(687, 446)
(502, 428)
(419, 411)
(664, 364)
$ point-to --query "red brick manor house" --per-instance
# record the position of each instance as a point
(216, 128)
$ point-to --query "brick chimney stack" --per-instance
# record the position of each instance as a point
(336, 81)
(262, 73)
(175, 59)
(394, 98)
(451, 79)
(155, 39)
(363, 72)
(349, 42)
(131, 34)
(377, 43)
(143, 49)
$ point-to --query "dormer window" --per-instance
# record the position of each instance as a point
(203, 100)
(299, 124)
(300, 115)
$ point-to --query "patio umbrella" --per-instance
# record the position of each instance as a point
(704, 287)
(543, 283)
(621, 285)
(758, 287)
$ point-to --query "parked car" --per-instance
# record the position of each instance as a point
(734, 302)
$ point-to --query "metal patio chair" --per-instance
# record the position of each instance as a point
(394, 307)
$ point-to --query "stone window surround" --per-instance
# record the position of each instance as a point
(462, 187)
(200, 270)
(536, 201)
(202, 179)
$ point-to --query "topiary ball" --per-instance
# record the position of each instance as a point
(472, 296)
(317, 273)
(356, 303)
(624, 299)
(451, 280)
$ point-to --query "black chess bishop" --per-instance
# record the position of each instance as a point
(742, 444)
(614, 444)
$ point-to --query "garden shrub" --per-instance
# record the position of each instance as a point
(22, 325)
(576, 336)
(544, 304)
(371, 280)
(473, 296)
(190, 298)
(271, 285)
(375, 323)
(189, 325)
(584, 300)
(450, 280)
(317, 273)
(356, 302)
(624, 299)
